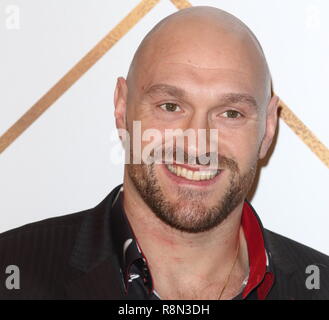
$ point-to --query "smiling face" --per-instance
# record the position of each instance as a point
(198, 70)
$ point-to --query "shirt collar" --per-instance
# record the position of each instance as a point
(261, 274)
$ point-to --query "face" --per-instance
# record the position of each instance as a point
(184, 88)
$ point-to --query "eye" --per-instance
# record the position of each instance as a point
(170, 107)
(233, 114)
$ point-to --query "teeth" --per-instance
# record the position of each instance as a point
(192, 175)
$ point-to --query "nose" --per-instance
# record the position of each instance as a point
(201, 140)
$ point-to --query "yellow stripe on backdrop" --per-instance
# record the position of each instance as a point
(75, 73)
(304, 133)
(100, 49)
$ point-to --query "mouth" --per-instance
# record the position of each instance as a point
(183, 174)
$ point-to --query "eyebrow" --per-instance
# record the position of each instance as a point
(181, 93)
(240, 97)
(166, 89)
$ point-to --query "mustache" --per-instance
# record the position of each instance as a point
(178, 155)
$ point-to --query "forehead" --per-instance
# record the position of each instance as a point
(197, 81)
(203, 63)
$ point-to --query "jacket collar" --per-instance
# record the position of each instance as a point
(98, 269)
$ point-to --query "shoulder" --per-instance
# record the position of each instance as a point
(40, 252)
(39, 228)
(48, 254)
(293, 250)
(301, 271)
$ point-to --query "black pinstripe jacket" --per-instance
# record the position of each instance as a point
(72, 257)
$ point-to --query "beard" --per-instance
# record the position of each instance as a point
(190, 212)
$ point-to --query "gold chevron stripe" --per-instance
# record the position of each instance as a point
(75, 73)
(304, 133)
(181, 4)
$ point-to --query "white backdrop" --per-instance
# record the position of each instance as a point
(62, 163)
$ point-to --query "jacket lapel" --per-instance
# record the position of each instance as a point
(95, 269)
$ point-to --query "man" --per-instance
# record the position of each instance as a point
(177, 230)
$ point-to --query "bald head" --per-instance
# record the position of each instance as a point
(205, 38)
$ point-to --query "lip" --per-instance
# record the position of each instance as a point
(182, 180)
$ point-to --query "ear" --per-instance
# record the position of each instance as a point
(271, 124)
(120, 103)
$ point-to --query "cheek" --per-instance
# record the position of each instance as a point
(241, 145)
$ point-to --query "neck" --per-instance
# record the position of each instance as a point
(179, 260)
